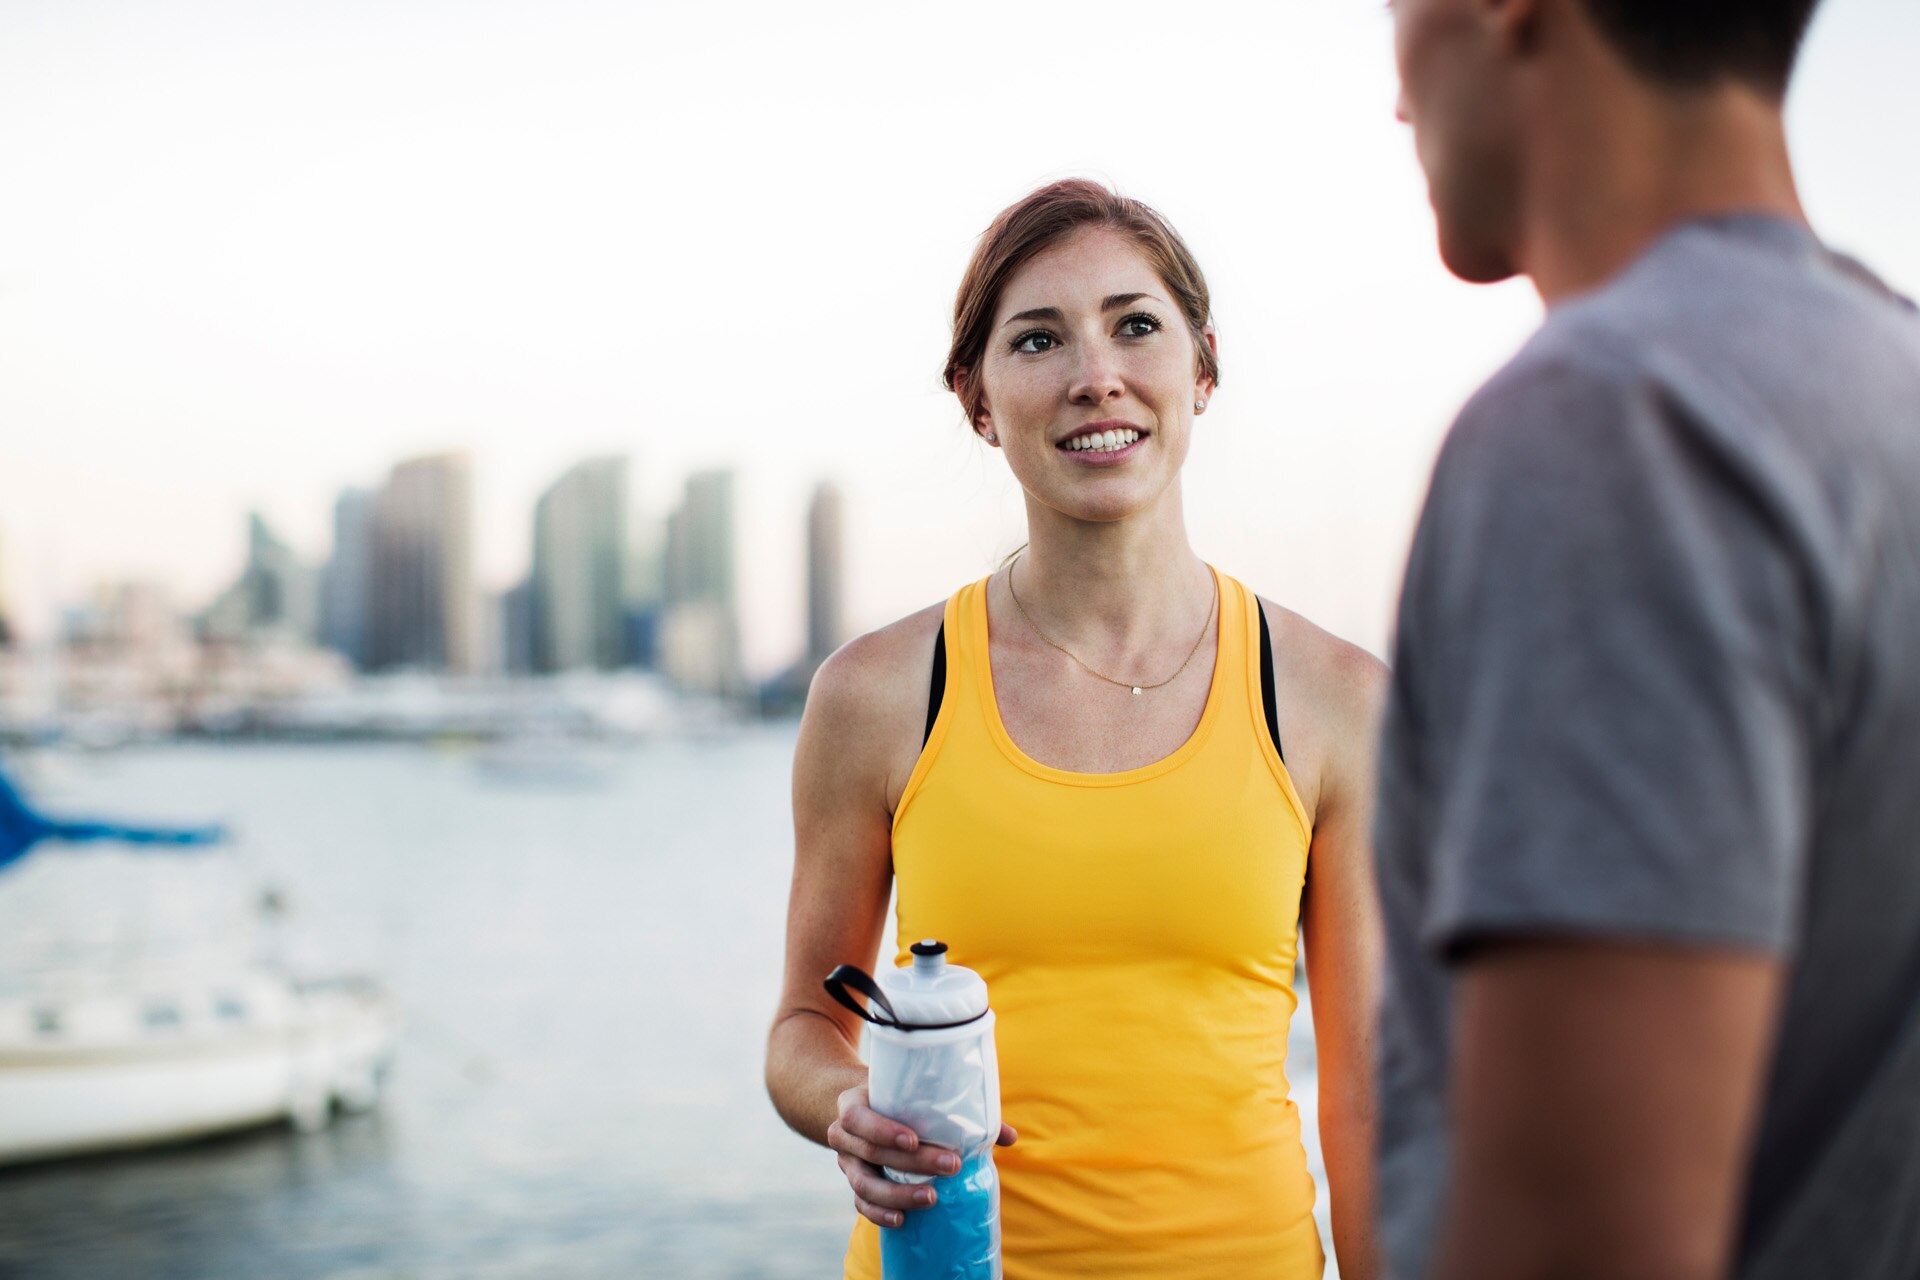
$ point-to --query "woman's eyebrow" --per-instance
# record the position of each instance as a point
(1037, 313)
(1109, 303)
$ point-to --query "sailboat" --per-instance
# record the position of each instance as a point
(135, 1037)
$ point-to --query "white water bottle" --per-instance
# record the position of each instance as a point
(932, 1068)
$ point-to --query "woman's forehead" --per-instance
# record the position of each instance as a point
(1080, 271)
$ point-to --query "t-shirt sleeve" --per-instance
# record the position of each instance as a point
(1613, 655)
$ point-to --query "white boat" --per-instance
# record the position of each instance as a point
(541, 760)
(136, 1006)
(90, 1064)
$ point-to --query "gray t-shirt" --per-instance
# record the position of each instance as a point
(1657, 678)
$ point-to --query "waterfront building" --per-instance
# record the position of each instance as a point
(646, 593)
(699, 635)
(581, 569)
(516, 629)
(826, 574)
(348, 581)
(421, 606)
(6, 618)
(274, 597)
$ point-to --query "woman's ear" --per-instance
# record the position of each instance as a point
(982, 415)
(1203, 385)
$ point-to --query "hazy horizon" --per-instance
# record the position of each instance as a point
(252, 256)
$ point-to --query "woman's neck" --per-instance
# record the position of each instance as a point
(1120, 585)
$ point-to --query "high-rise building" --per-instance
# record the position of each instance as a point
(699, 637)
(6, 618)
(516, 629)
(422, 609)
(699, 559)
(347, 586)
(127, 615)
(273, 598)
(581, 569)
(826, 574)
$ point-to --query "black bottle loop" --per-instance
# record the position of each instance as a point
(847, 975)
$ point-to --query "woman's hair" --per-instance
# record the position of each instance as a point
(1042, 220)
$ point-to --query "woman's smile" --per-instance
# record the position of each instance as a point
(1104, 443)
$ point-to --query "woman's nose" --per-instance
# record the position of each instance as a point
(1097, 379)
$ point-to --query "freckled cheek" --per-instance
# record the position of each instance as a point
(1170, 378)
(1009, 385)
(1026, 403)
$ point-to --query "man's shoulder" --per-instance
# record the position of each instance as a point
(1555, 399)
(1729, 331)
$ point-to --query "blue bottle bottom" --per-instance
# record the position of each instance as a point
(958, 1238)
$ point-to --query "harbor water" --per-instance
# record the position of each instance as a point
(586, 954)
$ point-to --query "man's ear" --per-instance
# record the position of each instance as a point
(1514, 24)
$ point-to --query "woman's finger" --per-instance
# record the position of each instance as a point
(928, 1159)
(1008, 1135)
(839, 1139)
(863, 1122)
(866, 1133)
(875, 1188)
(877, 1215)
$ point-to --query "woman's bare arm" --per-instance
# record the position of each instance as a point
(842, 875)
(859, 738)
(1341, 689)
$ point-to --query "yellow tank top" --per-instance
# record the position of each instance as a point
(1137, 932)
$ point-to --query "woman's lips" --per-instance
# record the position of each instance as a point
(1105, 457)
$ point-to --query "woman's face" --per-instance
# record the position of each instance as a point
(1090, 377)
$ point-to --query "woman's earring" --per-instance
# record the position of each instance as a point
(1199, 405)
(992, 438)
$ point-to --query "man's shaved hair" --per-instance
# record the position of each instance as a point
(1698, 43)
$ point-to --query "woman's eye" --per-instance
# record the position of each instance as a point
(1139, 325)
(1034, 343)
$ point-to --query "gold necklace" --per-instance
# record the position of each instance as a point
(1205, 627)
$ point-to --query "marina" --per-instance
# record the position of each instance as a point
(583, 980)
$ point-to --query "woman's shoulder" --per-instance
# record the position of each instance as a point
(1334, 674)
(879, 678)
(1329, 692)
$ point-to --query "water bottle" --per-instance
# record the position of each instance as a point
(932, 1068)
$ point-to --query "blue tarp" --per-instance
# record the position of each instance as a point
(22, 827)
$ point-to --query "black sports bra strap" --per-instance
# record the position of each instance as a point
(937, 686)
(939, 689)
(1266, 682)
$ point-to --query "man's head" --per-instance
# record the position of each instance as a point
(1474, 74)
(1692, 44)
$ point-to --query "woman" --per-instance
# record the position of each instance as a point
(1090, 804)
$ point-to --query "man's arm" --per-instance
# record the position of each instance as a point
(1604, 1102)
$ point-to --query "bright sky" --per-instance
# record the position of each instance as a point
(251, 253)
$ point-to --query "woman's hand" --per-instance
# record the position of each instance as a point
(865, 1140)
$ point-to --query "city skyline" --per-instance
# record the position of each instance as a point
(490, 245)
(324, 587)
(610, 587)
(603, 578)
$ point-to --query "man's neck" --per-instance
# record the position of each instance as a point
(1617, 165)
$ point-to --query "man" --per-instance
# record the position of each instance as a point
(1650, 800)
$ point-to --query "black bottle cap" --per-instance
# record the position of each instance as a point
(928, 948)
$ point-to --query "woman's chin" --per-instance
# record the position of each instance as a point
(1106, 502)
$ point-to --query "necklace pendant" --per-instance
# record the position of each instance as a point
(1136, 691)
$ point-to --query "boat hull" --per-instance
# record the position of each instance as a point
(60, 1101)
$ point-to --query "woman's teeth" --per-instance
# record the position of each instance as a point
(1102, 441)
